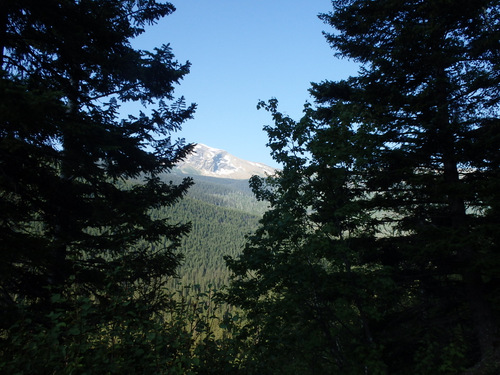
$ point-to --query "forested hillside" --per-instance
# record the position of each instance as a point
(221, 212)
(223, 192)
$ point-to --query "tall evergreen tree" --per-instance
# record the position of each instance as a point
(72, 220)
(381, 250)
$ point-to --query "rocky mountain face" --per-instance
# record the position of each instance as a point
(208, 161)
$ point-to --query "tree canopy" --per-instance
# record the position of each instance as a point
(78, 181)
(380, 253)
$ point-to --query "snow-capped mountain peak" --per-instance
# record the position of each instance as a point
(208, 161)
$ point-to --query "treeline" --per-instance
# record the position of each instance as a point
(223, 192)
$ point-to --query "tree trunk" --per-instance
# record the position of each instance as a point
(482, 318)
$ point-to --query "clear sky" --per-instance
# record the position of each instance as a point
(243, 51)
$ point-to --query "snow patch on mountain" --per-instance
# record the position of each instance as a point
(208, 161)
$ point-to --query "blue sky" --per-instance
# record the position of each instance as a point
(242, 51)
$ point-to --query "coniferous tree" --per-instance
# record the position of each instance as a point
(72, 221)
(382, 240)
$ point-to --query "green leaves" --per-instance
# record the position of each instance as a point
(85, 337)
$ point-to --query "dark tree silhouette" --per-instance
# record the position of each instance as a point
(77, 182)
(380, 253)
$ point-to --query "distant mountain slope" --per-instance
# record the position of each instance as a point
(222, 192)
(208, 161)
(222, 212)
(216, 231)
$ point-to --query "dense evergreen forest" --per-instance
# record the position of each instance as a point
(224, 192)
(222, 212)
(375, 250)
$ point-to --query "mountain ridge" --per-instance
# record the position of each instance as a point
(213, 162)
